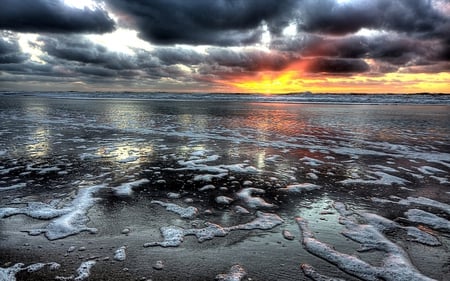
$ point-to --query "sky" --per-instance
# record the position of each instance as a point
(245, 46)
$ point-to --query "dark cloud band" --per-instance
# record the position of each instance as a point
(52, 16)
(204, 22)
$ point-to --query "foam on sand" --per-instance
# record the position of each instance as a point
(120, 254)
(186, 213)
(418, 201)
(299, 188)
(432, 220)
(382, 179)
(394, 266)
(246, 195)
(126, 189)
(9, 273)
(312, 273)
(236, 273)
(83, 272)
(173, 235)
(14, 186)
(385, 225)
(36, 210)
(197, 163)
(67, 221)
(224, 200)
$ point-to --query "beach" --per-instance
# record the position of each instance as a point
(237, 188)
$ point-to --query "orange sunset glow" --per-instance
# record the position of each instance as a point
(295, 78)
(291, 82)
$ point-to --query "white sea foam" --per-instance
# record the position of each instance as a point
(35, 210)
(198, 164)
(195, 161)
(418, 201)
(209, 177)
(384, 168)
(89, 156)
(48, 170)
(12, 187)
(395, 266)
(126, 189)
(312, 273)
(263, 221)
(83, 272)
(207, 187)
(236, 273)
(241, 210)
(9, 273)
(129, 159)
(225, 200)
(120, 254)
(287, 235)
(441, 180)
(173, 195)
(385, 225)
(427, 170)
(246, 195)
(311, 161)
(187, 212)
(273, 158)
(209, 232)
(4, 171)
(422, 236)
(72, 219)
(173, 235)
(299, 188)
(382, 179)
(432, 220)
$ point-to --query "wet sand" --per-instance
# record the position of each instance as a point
(104, 174)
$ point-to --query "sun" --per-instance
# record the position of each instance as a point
(267, 82)
(288, 80)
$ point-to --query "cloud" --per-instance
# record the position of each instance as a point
(10, 51)
(336, 66)
(52, 16)
(178, 55)
(247, 60)
(80, 49)
(418, 17)
(397, 50)
(204, 22)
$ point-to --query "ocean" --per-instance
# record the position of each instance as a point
(160, 186)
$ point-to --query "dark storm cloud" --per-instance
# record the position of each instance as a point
(76, 56)
(52, 16)
(418, 17)
(395, 49)
(337, 66)
(97, 71)
(249, 60)
(28, 68)
(178, 55)
(80, 49)
(10, 51)
(197, 22)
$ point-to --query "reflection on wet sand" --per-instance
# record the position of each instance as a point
(104, 175)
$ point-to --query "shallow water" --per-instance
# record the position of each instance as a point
(95, 176)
